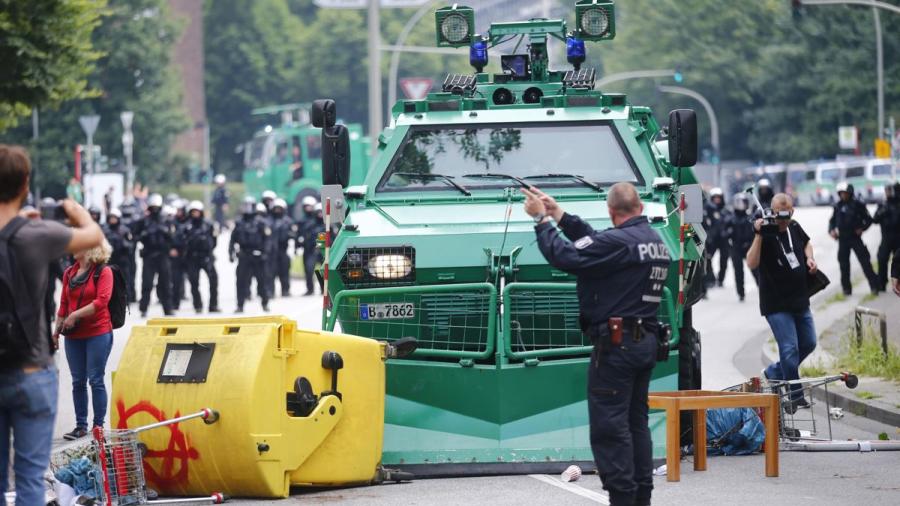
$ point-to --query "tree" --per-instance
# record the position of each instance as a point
(46, 53)
(135, 73)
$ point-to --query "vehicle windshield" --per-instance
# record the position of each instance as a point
(830, 175)
(592, 151)
(256, 152)
(855, 171)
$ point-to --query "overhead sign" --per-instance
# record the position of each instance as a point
(848, 138)
(416, 88)
(362, 4)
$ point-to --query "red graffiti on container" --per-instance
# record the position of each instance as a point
(177, 450)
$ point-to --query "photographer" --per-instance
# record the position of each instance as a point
(28, 376)
(784, 255)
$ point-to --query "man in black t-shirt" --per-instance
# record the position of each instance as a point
(784, 259)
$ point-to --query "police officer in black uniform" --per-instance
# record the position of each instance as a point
(848, 222)
(310, 228)
(177, 254)
(250, 241)
(888, 216)
(95, 213)
(156, 235)
(620, 276)
(220, 200)
(200, 237)
(739, 230)
(714, 222)
(122, 242)
(283, 231)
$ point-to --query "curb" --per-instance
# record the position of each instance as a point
(858, 407)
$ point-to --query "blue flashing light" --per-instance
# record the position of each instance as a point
(575, 51)
(678, 76)
(478, 54)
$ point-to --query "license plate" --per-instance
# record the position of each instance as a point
(386, 311)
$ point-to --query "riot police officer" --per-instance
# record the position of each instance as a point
(250, 241)
(122, 243)
(620, 276)
(262, 211)
(95, 213)
(200, 237)
(268, 200)
(283, 231)
(764, 193)
(739, 230)
(888, 216)
(848, 222)
(156, 235)
(310, 228)
(220, 200)
(714, 221)
(177, 254)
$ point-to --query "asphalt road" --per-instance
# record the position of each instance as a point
(733, 335)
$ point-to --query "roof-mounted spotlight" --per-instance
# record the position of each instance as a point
(455, 26)
(595, 19)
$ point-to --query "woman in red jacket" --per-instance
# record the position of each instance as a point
(83, 318)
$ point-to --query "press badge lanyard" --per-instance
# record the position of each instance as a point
(791, 257)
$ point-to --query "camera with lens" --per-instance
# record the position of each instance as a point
(52, 210)
(770, 219)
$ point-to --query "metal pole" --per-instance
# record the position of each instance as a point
(207, 188)
(35, 154)
(395, 55)
(879, 56)
(374, 41)
(713, 121)
(90, 163)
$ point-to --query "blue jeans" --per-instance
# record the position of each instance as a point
(795, 334)
(87, 363)
(28, 410)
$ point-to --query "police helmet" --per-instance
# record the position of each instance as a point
(843, 186)
(48, 202)
(741, 202)
(168, 211)
(219, 179)
(249, 200)
(195, 205)
(114, 212)
(309, 200)
(269, 194)
(179, 204)
(94, 210)
(171, 197)
(715, 192)
(764, 183)
(279, 203)
(318, 206)
(155, 200)
(261, 208)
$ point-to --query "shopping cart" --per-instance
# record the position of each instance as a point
(109, 466)
(799, 424)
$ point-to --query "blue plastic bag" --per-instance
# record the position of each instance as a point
(734, 431)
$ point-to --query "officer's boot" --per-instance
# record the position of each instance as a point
(617, 498)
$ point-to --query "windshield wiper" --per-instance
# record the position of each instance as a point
(519, 180)
(447, 179)
(573, 177)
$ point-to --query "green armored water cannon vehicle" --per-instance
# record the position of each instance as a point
(287, 158)
(436, 245)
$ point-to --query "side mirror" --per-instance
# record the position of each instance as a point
(335, 144)
(683, 138)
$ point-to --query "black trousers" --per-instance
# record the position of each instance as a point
(737, 261)
(131, 276)
(283, 271)
(156, 267)
(845, 246)
(888, 245)
(208, 265)
(251, 267)
(179, 271)
(309, 266)
(618, 384)
(724, 252)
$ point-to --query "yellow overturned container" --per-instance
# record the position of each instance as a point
(296, 407)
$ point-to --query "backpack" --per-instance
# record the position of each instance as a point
(118, 302)
(14, 341)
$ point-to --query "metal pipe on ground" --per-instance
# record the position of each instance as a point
(842, 446)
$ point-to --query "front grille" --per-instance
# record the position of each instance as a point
(543, 320)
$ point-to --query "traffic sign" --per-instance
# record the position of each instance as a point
(362, 4)
(416, 88)
(89, 124)
(882, 148)
(848, 137)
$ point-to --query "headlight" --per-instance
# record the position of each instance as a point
(595, 22)
(390, 266)
(455, 28)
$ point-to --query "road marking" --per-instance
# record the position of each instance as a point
(597, 497)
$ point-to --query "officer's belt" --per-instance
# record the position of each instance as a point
(636, 328)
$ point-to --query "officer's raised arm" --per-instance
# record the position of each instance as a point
(572, 226)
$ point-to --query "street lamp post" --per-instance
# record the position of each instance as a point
(89, 125)
(713, 122)
(374, 49)
(401, 39)
(127, 118)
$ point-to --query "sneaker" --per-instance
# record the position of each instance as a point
(77, 433)
(169, 313)
(308, 293)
